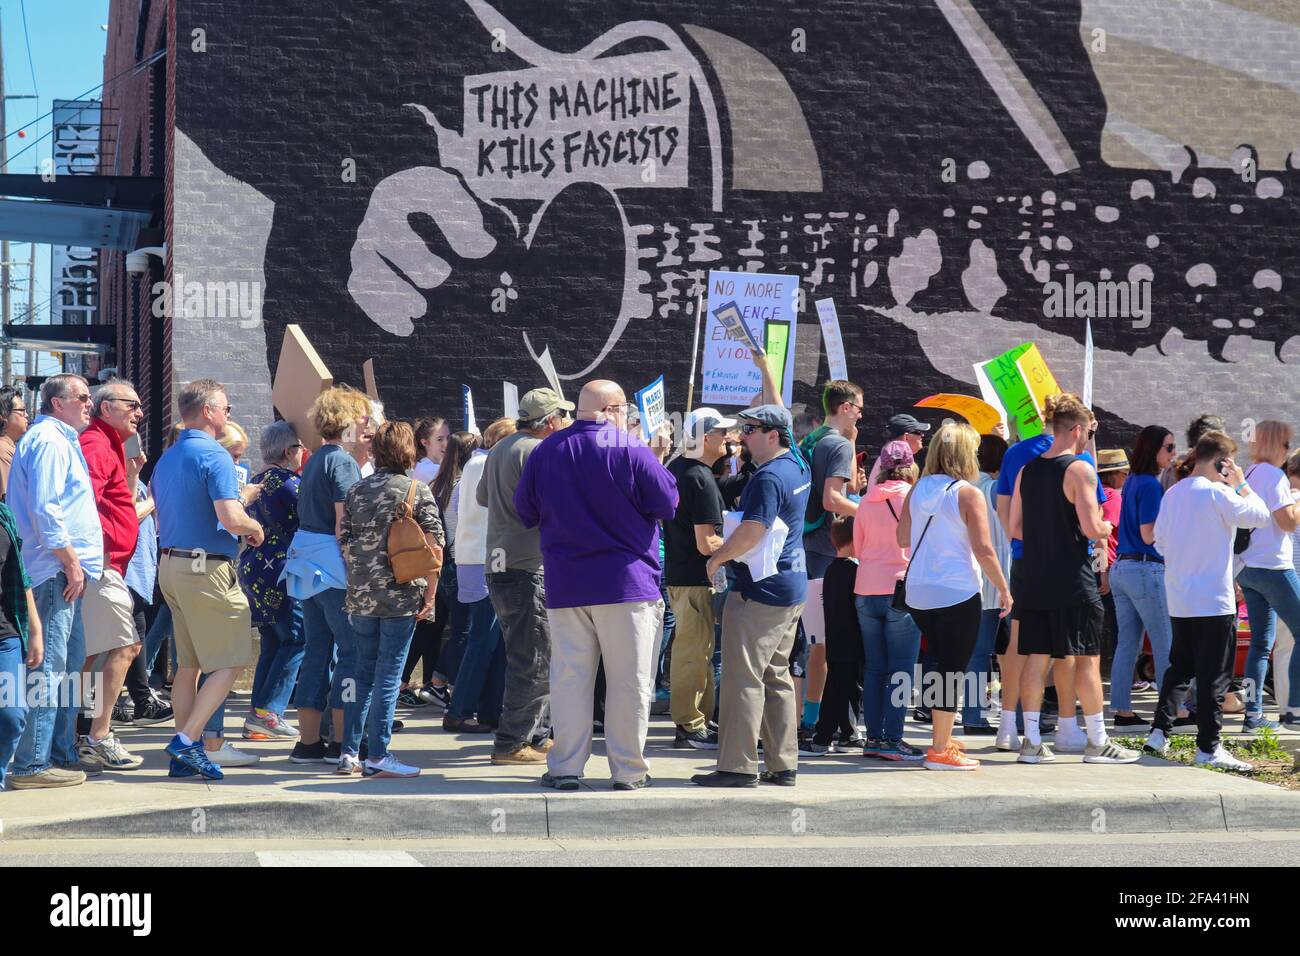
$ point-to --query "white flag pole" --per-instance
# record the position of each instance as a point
(695, 349)
(1087, 365)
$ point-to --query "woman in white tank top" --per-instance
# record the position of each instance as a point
(945, 523)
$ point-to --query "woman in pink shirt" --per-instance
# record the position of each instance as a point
(890, 638)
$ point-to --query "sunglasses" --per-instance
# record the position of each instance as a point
(84, 399)
(749, 429)
(130, 403)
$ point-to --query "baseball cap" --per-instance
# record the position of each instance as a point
(904, 424)
(698, 423)
(773, 416)
(537, 403)
(896, 454)
(1111, 459)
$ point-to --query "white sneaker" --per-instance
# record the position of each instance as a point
(1031, 754)
(1069, 739)
(348, 765)
(228, 756)
(1221, 760)
(107, 753)
(1157, 743)
(1008, 739)
(390, 766)
(1109, 752)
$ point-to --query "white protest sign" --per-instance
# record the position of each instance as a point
(989, 393)
(728, 374)
(511, 396)
(830, 320)
(548, 368)
(650, 400)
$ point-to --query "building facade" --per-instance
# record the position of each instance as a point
(451, 187)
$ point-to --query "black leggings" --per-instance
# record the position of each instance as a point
(1203, 648)
(426, 642)
(950, 634)
(840, 700)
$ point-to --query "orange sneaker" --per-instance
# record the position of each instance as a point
(954, 758)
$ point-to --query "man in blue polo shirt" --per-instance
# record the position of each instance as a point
(760, 616)
(1010, 661)
(199, 520)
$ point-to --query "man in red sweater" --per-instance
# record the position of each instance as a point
(107, 609)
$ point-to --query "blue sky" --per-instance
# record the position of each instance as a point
(67, 58)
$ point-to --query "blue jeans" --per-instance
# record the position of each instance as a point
(1139, 591)
(453, 648)
(890, 643)
(159, 632)
(670, 627)
(972, 711)
(330, 644)
(50, 736)
(13, 699)
(381, 644)
(278, 662)
(1268, 594)
(481, 681)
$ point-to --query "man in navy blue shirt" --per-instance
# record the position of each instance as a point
(760, 616)
(200, 518)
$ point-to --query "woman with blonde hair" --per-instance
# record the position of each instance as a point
(314, 573)
(946, 527)
(1269, 580)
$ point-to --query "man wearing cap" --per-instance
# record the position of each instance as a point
(516, 584)
(597, 494)
(901, 427)
(690, 538)
(760, 616)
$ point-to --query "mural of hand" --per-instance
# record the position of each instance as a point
(392, 264)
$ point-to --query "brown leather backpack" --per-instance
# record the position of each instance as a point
(408, 550)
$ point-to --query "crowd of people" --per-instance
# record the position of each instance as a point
(777, 590)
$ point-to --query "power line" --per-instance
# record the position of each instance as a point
(131, 69)
(27, 38)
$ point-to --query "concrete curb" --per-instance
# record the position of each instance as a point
(629, 816)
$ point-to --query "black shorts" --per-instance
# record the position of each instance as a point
(1062, 632)
(1003, 641)
(1015, 582)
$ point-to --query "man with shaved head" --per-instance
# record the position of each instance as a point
(596, 494)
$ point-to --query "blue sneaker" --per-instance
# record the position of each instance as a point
(871, 748)
(1253, 724)
(195, 758)
(177, 769)
(899, 750)
(1291, 722)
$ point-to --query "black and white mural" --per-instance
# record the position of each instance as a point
(451, 187)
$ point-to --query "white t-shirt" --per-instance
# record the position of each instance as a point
(1270, 546)
(425, 470)
(1195, 529)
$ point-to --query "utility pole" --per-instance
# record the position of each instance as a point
(4, 245)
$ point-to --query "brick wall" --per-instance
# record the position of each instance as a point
(930, 166)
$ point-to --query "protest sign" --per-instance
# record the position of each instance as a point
(775, 340)
(470, 424)
(548, 369)
(1038, 377)
(1013, 393)
(831, 338)
(650, 400)
(980, 414)
(300, 376)
(510, 394)
(728, 374)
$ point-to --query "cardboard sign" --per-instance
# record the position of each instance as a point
(980, 414)
(300, 376)
(510, 396)
(728, 374)
(832, 339)
(650, 400)
(368, 375)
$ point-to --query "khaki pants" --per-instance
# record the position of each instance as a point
(626, 637)
(757, 690)
(211, 621)
(691, 671)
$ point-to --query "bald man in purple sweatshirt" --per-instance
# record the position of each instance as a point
(597, 494)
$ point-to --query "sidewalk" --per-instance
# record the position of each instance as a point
(459, 794)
